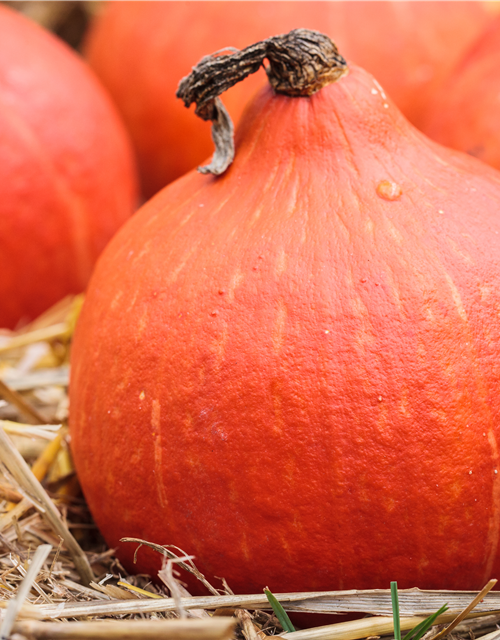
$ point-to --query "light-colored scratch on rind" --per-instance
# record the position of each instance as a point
(281, 263)
(116, 299)
(395, 234)
(156, 433)
(456, 297)
(236, 279)
(193, 248)
(172, 276)
(459, 252)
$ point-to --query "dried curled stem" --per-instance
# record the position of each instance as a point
(300, 63)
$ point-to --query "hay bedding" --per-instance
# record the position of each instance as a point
(57, 577)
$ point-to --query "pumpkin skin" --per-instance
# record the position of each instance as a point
(465, 113)
(291, 371)
(140, 50)
(67, 172)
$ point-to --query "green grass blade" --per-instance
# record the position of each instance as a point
(417, 632)
(395, 610)
(281, 614)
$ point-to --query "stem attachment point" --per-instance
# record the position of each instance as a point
(300, 64)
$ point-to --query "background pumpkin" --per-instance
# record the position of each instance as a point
(290, 371)
(67, 173)
(465, 113)
(140, 50)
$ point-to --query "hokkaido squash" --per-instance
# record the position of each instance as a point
(141, 49)
(291, 370)
(465, 113)
(67, 172)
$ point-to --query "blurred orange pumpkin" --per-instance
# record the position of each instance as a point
(67, 172)
(465, 113)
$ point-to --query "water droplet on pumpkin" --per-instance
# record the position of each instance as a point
(222, 292)
(380, 398)
(142, 395)
(440, 211)
(496, 471)
(374, 91)
(389, 190)
(214, 313)
(363, 280)
(470, 473)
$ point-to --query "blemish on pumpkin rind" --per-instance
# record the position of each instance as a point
(390, 504)
(144, 251)
(369, 226)
(244, 547)
(456, 298)
(281, 263)
(404, 404)
(116, 299)
(396, 235)
(143, 322)
(389, 190)
(156, 433)
(132, 302)
(459, 252)
(235, 282)
(485, 291)
(172, 276)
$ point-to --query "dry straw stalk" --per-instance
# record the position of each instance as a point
(412, 602)
(22, 473)
(59, 330)
(211, 629)
(364, 628)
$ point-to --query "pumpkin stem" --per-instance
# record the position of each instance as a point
(300, 63)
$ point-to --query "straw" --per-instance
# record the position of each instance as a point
(16, 603)
(212, 629)
(24, 476)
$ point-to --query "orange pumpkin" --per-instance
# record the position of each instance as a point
(291, 370)
(465, 113)
(67, 173)
(140, 50)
